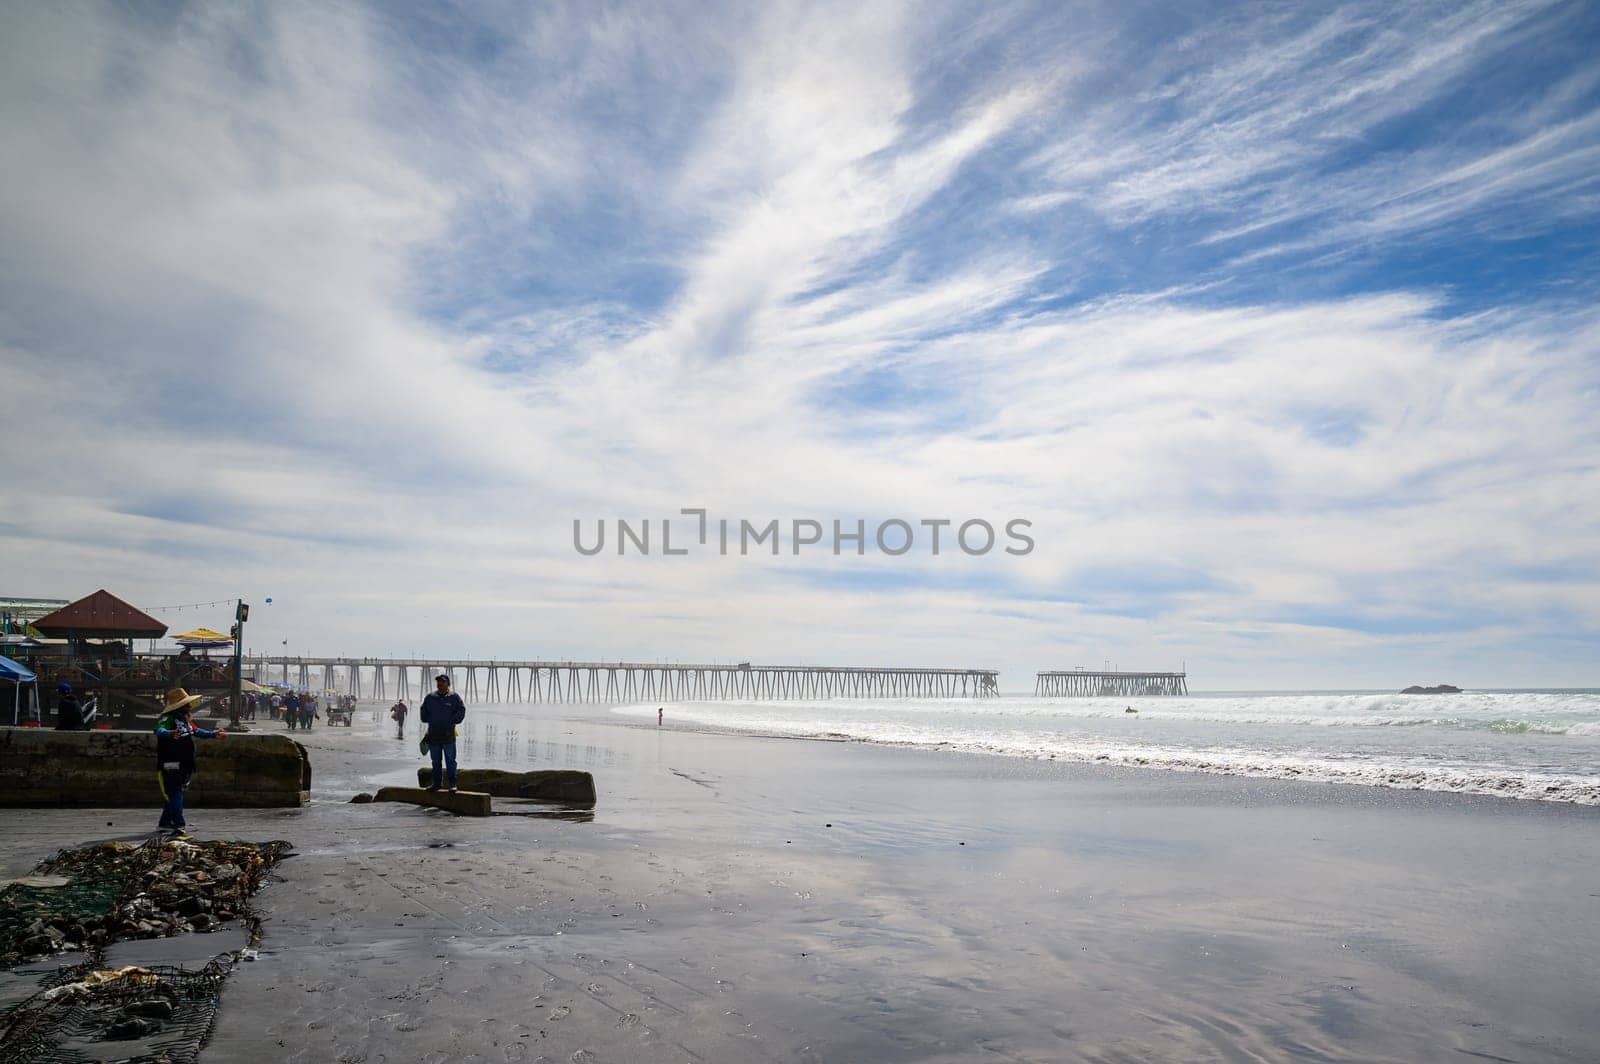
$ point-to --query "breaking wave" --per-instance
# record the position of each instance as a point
(1536, 745)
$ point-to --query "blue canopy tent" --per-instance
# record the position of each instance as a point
(18, 674)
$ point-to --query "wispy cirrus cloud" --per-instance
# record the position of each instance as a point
(360, 307)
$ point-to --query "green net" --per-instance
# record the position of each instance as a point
(83, 900)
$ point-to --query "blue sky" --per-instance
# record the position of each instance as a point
(1278, 322)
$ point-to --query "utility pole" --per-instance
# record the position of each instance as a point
(241, 613)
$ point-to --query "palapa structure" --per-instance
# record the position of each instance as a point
(124, 680)
(100, 616)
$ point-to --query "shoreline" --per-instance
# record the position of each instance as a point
(736, 898)
(1560, 789)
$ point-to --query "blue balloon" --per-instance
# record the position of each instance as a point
(269, 600)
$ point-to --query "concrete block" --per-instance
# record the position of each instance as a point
(461, 803)
(568, 786)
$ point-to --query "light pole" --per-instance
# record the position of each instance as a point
(241, 613)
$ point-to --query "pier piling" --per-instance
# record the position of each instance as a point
(622, 681)
(1081, 683)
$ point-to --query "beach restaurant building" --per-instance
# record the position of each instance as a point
(93, 644)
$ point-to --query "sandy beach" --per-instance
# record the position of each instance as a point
(740, 898)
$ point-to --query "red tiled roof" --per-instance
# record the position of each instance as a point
(100, 616)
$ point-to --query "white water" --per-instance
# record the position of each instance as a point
(1522, 744)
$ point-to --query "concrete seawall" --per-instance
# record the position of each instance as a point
(39, 767)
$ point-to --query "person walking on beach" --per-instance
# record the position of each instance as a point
(69, 714)
(176, 732)
(291, 710)
(441, 711)
(398, 713)
(308, 710)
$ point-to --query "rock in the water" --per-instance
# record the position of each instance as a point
(568, 786)
(361, 799)
(1440, 689)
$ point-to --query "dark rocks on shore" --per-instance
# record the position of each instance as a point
(361, 799)
(131, 1027)
(1439, 689)
(151, 1009)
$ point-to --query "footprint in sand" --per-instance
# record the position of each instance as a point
(560, 1013)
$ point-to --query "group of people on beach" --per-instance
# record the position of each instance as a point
(298, 708)
(176, 731)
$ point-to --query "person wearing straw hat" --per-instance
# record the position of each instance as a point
(176, 732)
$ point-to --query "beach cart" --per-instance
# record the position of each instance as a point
(342, 710)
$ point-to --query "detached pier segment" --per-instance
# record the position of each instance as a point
(1080, 683)
(619, 681)
(461, 803)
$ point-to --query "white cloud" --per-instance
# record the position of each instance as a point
(314, 309)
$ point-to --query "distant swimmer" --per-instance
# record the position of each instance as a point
(661, 712)
(1130, 709)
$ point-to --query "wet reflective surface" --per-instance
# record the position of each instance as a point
(736, 898)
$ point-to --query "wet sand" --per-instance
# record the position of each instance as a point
(737, 898)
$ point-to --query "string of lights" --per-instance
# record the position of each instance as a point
(189, 606)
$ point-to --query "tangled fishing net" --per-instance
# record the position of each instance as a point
(82, 900)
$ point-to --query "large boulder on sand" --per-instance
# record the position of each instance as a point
(567, 786)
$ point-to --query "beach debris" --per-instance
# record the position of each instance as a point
(165, 1013)
(84, 899)
(96, 895)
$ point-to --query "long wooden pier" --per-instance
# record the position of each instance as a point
(1080, 683)
(616, 681)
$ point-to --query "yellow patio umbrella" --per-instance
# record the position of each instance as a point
(202, 637)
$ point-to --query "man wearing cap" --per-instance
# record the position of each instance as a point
(69, 714)
(176, 732)
(441, 711)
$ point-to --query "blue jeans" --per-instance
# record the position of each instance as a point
(172, 785)
(446, 750)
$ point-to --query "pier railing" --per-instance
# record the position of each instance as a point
(616, 681)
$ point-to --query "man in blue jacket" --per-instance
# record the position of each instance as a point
(441, 711)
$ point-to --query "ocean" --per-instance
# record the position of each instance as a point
(1542, 745)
